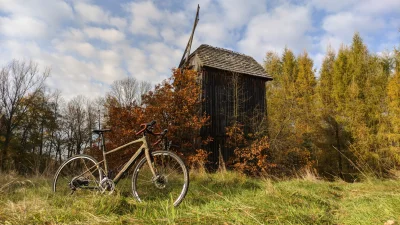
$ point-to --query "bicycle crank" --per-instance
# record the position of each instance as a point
(78, 182)
(107, 185)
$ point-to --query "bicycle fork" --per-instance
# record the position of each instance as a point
(149, 159)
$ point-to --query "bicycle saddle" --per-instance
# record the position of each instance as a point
(101, 131)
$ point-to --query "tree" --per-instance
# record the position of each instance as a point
(305, 122)
(290, 98)
(79, 122)
(392, 134)
(129, 91)
(17, 80)
(280, 96)
(174, 104)
(366, 105)
(333, 137)
(355, 107)
(34, 132)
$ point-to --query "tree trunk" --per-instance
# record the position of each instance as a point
(221, 162)
(4, 155)
(339, 151)
(41, 139)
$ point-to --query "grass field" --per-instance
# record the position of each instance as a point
(212, 199)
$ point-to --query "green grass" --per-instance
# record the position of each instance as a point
(212, 199)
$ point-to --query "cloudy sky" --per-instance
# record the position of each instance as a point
(89, 44)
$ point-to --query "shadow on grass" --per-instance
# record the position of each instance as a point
(210, 187)
(204, 188)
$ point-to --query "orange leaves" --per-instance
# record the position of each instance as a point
(253, 158)
(198, 160)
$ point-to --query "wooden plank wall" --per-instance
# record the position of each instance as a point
(218, 104)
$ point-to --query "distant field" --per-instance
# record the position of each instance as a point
(212, 199)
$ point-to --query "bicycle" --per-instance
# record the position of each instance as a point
(159, 175)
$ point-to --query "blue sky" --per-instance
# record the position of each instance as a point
(89, 44)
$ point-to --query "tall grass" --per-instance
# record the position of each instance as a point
(221, 198)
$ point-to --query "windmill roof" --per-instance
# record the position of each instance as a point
(225, 59)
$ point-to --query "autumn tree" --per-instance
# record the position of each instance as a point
(391, 131)
(290, 98)
(305, 102)
(174, 104)
(280, 96)
(17, 80)
(331, 131)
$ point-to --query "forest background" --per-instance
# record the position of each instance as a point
(341, 121)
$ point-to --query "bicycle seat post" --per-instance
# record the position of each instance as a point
(103, 149)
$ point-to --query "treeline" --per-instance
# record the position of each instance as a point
(343, 123)
(343, 120)
(39, 129)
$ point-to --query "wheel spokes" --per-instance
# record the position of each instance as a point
(170, 181)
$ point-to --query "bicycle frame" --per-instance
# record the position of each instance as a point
(144, 147)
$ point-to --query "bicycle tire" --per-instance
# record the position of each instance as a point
(80, 173)
(172, 181)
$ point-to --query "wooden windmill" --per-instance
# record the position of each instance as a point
(220, 71)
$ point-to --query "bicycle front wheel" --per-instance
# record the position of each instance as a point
(170, 183)
(79, 174)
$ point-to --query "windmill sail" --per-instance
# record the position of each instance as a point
(186, 53)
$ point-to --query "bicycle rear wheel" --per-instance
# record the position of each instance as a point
(171, 181)
(79, 174)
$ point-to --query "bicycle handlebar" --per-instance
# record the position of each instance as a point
(147, 126)
(152, 123)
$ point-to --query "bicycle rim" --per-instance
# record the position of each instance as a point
(78, 175)
(171, 183)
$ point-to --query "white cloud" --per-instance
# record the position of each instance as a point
(68, 74)
(108, 35)
(90, 13)
(154, 64)
(331, 40)
(22, 27)
(214, 34)
(286, 25)
(345, 24)
(168, 34)
(73, 34)
(340, 27)
(333, 6)
(53, 12)
(21, 50)
(136, 61)
(238, 12)
(95, 14)
(82, 48)
(143, 14)
(110, 66)
(366, 7)
(382, 7)
(118, 22)
(162, 57)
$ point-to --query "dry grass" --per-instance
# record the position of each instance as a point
(221, 198)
